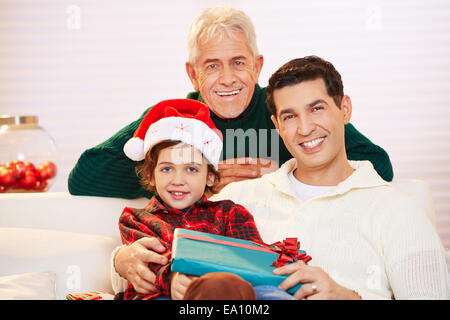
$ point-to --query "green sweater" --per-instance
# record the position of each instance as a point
(105, 171)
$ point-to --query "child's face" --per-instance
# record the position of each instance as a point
(181, 175)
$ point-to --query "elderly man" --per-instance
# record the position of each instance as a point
(224, 66)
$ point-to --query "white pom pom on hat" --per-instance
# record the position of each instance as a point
(134, 149)
(184, 120)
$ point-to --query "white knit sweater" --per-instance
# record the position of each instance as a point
(368, 236)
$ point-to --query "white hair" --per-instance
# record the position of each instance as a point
(219, 22)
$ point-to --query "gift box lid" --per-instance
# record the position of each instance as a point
(198, 253)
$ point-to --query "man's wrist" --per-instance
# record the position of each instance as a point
(349, 294)
(114, 254)
(118, 283)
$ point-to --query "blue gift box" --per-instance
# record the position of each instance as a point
(198, 253)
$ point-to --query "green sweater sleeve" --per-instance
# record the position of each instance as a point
(99, 169)
(359, 147)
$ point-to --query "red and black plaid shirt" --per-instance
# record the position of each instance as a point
(156, 220)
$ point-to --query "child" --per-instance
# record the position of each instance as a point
(181, 148)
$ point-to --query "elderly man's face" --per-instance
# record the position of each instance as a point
(226, 73)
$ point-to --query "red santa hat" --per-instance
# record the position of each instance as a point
(184, 120)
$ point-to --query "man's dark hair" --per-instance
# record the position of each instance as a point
(305, 69)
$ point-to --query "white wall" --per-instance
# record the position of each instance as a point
(89, 67)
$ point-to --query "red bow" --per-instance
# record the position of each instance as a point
(288, 250)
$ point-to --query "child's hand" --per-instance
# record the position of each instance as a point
(178, 284)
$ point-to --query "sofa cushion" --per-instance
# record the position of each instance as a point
(28, 286)
(81, 262)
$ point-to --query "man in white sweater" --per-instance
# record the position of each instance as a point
(366, 238)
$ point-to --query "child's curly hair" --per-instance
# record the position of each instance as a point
(145, 171)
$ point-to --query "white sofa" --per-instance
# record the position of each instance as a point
(57, 243)
(69, 236)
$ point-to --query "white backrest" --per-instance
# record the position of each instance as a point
(65, 212)
(420, 192)
(100, 215)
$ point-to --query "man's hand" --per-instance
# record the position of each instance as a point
(131, 262)
(320, 285)
(178, 284)
(233, 170)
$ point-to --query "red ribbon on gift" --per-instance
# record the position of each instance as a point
(288, 250)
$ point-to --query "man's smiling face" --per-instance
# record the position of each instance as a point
(312, 125)
(226, 73)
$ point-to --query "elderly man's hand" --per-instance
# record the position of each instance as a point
(233, 170)
(131, 262)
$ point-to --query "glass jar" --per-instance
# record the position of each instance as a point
(27, 156)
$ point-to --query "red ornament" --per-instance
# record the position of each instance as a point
(46, 170)
(51, 167)
(24, 175)
(7, 176)
(29, 166)
(17, 168)
(42, 173)
(28, 182)
(41, 185)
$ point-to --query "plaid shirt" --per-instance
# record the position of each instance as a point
(156, 220)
